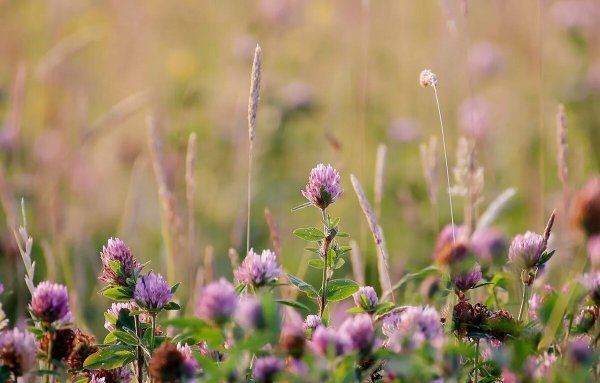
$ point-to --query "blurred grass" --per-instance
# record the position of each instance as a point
(336, 75)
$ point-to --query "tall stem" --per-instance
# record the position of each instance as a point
(153, 334)
(250, 148)
(524, 299)
(324, 253)
(49, 356)
(477, 361)
(139, 355)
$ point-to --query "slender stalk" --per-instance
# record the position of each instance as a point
(477, 361)
(249, 196)
(49, 356)
(324, 252)
(138, 351)
(437, 102)
(153, 334)
(524, 299)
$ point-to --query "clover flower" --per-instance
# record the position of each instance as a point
(359, 330)
(115, 375)
(50, 303)
(489, 246)
(258, 269)
(311, 322)
(152, 292)
(115, 311)
(18, 349)
(323, 186)
(266, 368)
(526, 249)
(171, 364)
(467, 280)
(119, 266)
(217, 301)
(326, 340)
(249, 314)
(366, 297)
(417, 326)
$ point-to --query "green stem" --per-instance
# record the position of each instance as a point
(523, 301)
(153, 334)
(324, 251)
(49, 356)
(139, 355)
(477, 361)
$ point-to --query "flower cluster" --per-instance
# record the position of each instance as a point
(258, 269)
(323, 186)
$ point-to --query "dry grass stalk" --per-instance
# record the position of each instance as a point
(495, 208)
(273, 232)
(190, 190)
(358, 267)
(7, 201)
(234, 258)
(469, 181)
(379, 174)
(170, 220)
(12, 128)
(561, 125)
(133, 201)
(549, 225)
(253, 100)
(382, 257)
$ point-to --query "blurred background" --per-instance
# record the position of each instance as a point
(78, 80)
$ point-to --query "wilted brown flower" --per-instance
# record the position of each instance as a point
(501, 324)
(62, 343)
(83, 346)
(170, 365)
(586, 212)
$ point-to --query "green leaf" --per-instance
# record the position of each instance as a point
(118, 293)
(384, 308)
(240, 288)
(339, 263)
(172, 306)
(310, 234)
(185, 322)
(427, 271)
(109, 358)
(545, 257)
(340, 289)
(175, 287)
(125, 337)
(302, 206)
(342, 250)
(342, 234)
(293, 304)
(307, 289)
(355, 310)
(315, 250)
(317, 264)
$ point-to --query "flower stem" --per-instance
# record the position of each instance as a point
(153, 334)
(139, 355)
(324, 253)
(524, 299)
(49, 356)
(477, 361)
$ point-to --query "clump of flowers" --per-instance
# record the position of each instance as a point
(18, 349)
(360, 332)
(366, 298)
(217, 302)
(266, 369)
(152, 292)
(415, 327)
(170, 364)
(258, 269)
(327, 341)
(526, 250)
(119, 266)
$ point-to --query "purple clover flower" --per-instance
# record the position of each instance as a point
(468, 279)
(115, 375)
(489, 246)
(50, 303)
(359, 329)
(258, 269)
(311, 322)
(190, 365)
(18, 349)
(417, 326)
(217, 301)
(526, 249)
(326, 340)
(116, 308)
(265, 369)
(323, 186)
(249, 314)
(370, 299)
(591, 281)
(116, 251)
(152, 292)
(1, 288)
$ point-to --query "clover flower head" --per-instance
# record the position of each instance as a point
(152, 292)
(323, 186)
(258, 269)
(50, 303)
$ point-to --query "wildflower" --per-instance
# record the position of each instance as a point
(417, 326)
(579, 352)
(468, 279)
(326, 340)
(119, 267)
(593, 248)
(359, 330)
(50, 303)
(217, 302)
(427, 78)
(249, 314)
(474, 117)
(366, 297)
(115, 312)
(115, 375)
(61, 341)
(526, 250)
(585, 320)
(18, 351)
(323, 186)
(266, 368)
(83, 346)
(258, 270)
(586, 212)
(453, 254)
(152, 292)
(544, 365)
(489, 247)
(591, 281)
(390, 323)
(446, 237)
(311, 322)
(501, 324)
(170, 365)
(468, 318)
(1, 288)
